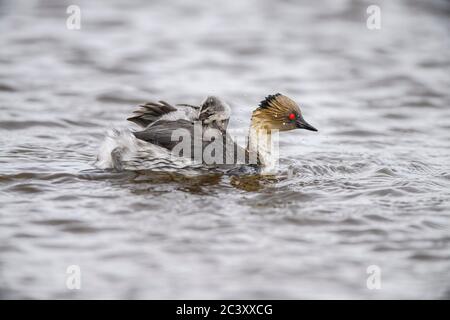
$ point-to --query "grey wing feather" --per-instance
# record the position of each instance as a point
(150, 112)
(161, 132)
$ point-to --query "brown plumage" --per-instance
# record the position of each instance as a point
(276, 112)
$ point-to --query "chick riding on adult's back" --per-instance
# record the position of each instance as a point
(204, 128)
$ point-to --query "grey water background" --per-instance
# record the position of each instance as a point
(372, 187)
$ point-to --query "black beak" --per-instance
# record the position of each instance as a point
(302, 124)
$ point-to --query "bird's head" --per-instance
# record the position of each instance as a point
(278, 112)
(215, 112)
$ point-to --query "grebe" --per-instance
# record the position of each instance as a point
(203, 131)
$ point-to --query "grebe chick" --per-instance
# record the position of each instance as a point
(212, 112)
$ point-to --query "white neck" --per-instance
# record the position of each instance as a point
(261, 144)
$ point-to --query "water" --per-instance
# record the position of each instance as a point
(372, 187)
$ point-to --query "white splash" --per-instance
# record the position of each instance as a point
(122, 151)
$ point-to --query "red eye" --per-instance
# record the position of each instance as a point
(292, 116)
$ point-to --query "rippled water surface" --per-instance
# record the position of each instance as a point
(372, 187)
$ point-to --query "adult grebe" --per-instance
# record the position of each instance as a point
(204, 136)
